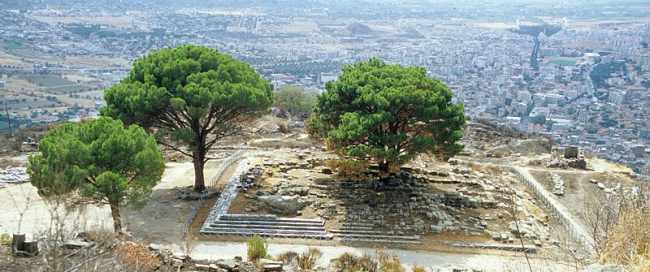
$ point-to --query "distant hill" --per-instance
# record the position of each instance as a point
(359, 29)
(411, 33)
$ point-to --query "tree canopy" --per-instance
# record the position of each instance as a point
(99, 159)
(295, 100)
(388, 114)
(192, 96)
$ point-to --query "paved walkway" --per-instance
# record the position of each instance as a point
(437, 260)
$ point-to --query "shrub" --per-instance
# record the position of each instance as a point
(295, 100)
(389, 263)
(352, 169)
(283, 126)
(348, 262)
(307, 260)
(5, 239)
(287, 257)
(621, 233)
(257, 248)
(418, 269)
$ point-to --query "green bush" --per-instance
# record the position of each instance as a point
(257, 248)
(5, 239)
(295, 100)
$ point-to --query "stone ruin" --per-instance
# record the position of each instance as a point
(558, 184)
(568, 157)
(400, 209)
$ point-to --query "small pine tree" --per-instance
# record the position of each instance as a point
(257, 248)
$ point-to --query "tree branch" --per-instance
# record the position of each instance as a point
(176, 149)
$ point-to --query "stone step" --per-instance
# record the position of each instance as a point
(515, 248)
(355, 228)
(269, 223)
(266, 217)
(357, 231)
(367, 225)
(378, 236)
(258, 226)
(381, 241)
(317, 236)
(265, 230)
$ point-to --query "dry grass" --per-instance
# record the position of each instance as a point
(348, 262)
(137, 257)
(621, 232)
(381, 262)
(307, 261)
(283, 126)
(418, 269)
(389, 263)
(287, 257)
(5, 239)
(352, 169)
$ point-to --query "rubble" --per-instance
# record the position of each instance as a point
(283, 204)
(422, 199)
(188, 194)
(77, 244)
(558, 184)
(13, 175)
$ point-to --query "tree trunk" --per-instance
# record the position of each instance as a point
(384, 167)
(199, 179)
(117, 220)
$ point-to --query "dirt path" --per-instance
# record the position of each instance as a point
(160, 220)
(437, 260)
(206, 206)
(569, 219)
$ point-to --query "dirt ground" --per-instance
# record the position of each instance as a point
(580, 193)
(162, 220)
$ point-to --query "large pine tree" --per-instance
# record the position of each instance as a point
(191, 96)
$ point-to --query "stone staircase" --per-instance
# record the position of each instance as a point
(267, 226)
(368, 233)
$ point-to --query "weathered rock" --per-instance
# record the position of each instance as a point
(270, 265)
(293, 189)
(202, 267)
(228, 265)
(155, 247)
(283, 204)
(77, 244)
(529, 229)
(216, 268)
(247, 267)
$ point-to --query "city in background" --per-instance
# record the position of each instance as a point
(576, 71)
